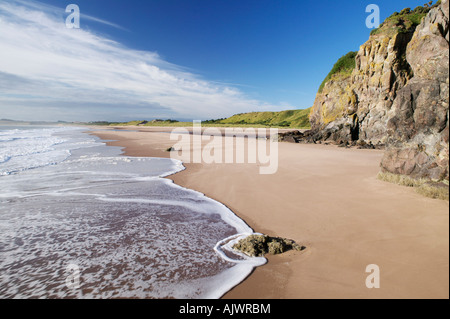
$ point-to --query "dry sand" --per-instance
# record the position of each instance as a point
(329, 199)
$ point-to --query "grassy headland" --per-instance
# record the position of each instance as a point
(298, 119)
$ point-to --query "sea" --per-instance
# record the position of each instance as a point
(80, 220)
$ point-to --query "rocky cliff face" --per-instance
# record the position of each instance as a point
(397, 96)
(418, 122)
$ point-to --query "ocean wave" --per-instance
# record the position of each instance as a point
(131, 232)
(22, 150)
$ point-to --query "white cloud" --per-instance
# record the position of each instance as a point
(42, 61)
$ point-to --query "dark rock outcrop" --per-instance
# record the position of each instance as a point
(260, 245)
(418, 122)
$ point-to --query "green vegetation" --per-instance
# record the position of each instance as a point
(343, 67)
(146, 123)
(293, 119)
(405, 21)
(425, 187)
(99, 123)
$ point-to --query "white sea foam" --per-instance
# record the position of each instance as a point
(22, 150)
(67, 199)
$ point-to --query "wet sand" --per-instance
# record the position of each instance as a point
(328, 199)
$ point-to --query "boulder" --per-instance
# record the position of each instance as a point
(260, 245)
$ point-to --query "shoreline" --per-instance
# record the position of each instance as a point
(317, 198)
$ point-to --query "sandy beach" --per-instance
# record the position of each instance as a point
(328, 199)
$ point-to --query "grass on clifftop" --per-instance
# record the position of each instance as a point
(344, 66)
(399, 22)
(404, 21)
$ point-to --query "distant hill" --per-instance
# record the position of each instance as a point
(15, 122)
(12, 122)
(291, 118)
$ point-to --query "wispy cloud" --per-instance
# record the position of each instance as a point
(91, 18)
(42, 63)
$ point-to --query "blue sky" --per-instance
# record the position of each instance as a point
(184, 59)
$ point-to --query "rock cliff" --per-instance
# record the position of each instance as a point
(397, 95)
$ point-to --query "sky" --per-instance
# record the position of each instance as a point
(177, 59)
